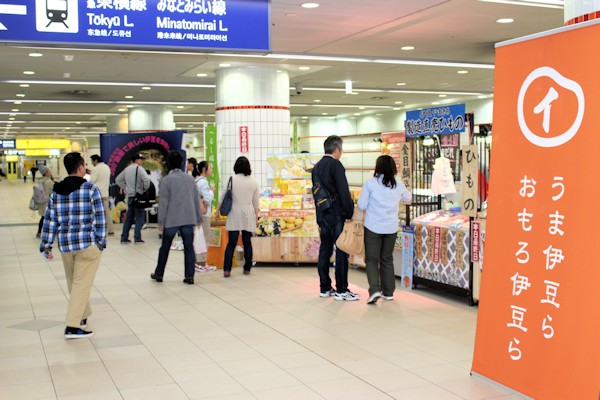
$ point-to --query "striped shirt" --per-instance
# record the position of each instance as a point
(76, 219)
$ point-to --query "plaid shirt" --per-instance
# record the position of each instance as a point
(77, 220)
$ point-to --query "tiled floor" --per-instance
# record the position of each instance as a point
(263, 336)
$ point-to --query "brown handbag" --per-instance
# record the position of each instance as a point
(352, 238)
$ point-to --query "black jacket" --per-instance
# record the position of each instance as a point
(332, 175)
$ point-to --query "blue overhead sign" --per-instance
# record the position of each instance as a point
(164, 24)
(435, 121)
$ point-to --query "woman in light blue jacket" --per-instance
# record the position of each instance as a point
(201, 172)
(380, 198)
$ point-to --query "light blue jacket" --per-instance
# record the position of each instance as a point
(381, 204)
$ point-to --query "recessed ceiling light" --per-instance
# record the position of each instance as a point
(361, 108)
(180, 106)
(481, 97)
(397, 108)
(78, 123)
(324, 113)
(15, 110)
(357, 114)
(407, 48)
(18, 102)
(317, 101)
(122, 109)
(310, 5)
(201, 75)
(397, 102)
(224, 65)
(435, 103)
(129, 97)
(129, 106)
(36, 55)
(29, 72)
(462, 72)
(442, 95)
(11, 119)
(305, 117)
(505, 20)
(20, 95)
(304, 68)
(401, 84)
(354, 93)
(146, 88)
(23, 85)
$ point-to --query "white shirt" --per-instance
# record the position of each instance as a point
(101, 177)
(381, 204)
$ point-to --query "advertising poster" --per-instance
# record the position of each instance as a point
(211, 155)
(538, 323)
(118, 149)
(408, 240)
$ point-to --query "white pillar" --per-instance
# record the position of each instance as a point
(256, 98)
(151, 118)
(117, 124)
(577, 11)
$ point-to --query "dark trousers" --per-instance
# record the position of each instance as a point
(136, 214)
(187, 235)
(330, 229)
(231, 243)
(40, 225)
(379, 257)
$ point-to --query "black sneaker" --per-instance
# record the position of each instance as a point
(156, 277)
(76, 333)
(125, 241)
(189, 281)
(374, 297)
(83, 323)
(328, 293)
(139, 242)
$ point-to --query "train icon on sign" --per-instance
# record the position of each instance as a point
(57, 11)
(58, 16)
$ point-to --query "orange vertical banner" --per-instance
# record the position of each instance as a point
(538, 329)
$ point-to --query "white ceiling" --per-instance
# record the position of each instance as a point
(371, 31)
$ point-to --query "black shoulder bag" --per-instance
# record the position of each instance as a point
(141, 200)
(227, 202)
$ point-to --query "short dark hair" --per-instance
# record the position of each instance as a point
(331, 143)
(242, 166)
(386, 166)
(72, 162)
(174, 160)
(96, 157)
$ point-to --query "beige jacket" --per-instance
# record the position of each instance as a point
(245, 201)
(48, 186)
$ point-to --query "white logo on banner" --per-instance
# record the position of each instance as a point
(60, 16)
(14, 9)
(544, 107)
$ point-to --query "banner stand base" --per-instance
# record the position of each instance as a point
(493, 382)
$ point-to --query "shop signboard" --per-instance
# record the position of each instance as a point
(408, 242)
(435, 121)
(183, 24)
(244, 145)
(7, 144)
(470, 189)
(210, 153)
(537, 327)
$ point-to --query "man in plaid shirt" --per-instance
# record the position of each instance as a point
(75, 216)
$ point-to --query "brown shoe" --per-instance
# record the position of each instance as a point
(226, 274)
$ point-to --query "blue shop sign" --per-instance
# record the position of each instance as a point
(7, 144)
(164, 24)
(435, 121)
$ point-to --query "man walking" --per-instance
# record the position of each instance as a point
(331, 175)
(75, 215)
(100, 176)
(133, 179)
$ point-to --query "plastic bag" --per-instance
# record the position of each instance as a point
(199, 240)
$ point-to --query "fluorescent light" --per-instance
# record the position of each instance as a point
(96, 83)
(309, 5)
(29, 72)
(129, 97)
(36, 55)
(324, 113)
(20, 95)
(442, 95)
(146, 88)
(462, 72)
(317, 101)
(304, 68)
(401, 84)
(435, 103)
(407, 48)
(201, 75)
(505, 20)
(397, 102)
(348, 85)
(559, 4)
(435, 63)
(224, 65)
(23, 85)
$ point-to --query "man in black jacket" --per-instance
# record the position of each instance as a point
(332, 176)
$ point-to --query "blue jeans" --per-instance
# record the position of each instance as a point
(187, 235)
(138, 214)
(231, 243)
(330, 229)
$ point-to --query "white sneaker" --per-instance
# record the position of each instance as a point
(388, 297)
(347, 296)
(199, 268)
(328, 293)
(374, 297)
(209, 267)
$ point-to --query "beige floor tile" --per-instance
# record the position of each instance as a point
(21, 376)
(343, 388)
(156, 392)
(28, 391)
(203, 387)
(300, 392)
(266, 380)
(424, 393)
(141, 378)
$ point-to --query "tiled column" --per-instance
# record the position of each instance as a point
(151, 118)
(256, 98)
(577, 11)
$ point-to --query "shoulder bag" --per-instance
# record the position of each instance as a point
(227, 202)
(141, 200)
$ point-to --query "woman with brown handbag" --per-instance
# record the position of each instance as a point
(380, 198)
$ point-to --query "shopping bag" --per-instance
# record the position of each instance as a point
(199, 241)
(352, 239)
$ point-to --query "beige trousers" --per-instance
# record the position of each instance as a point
(201, 258)
(109, 221)
(80, 270)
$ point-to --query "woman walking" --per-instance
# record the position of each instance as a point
(48, 183)
(379, 198)
(243, 215)
(201, 174)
